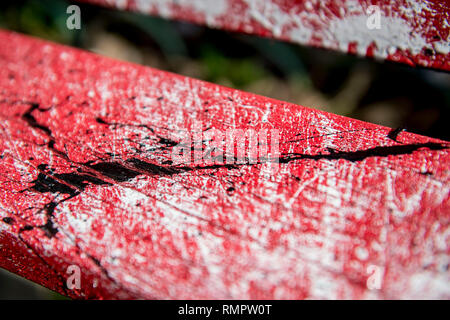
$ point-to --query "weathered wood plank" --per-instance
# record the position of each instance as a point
(411, 31)
(86, 179)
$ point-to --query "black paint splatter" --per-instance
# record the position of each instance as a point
(101, 173)
(393, 134)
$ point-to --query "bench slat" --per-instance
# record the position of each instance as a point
(412, 32)
(86, 180)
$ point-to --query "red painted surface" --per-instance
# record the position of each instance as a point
(85, 180)
(411, 31)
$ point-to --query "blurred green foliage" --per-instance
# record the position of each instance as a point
(41, 18)
(240, 72)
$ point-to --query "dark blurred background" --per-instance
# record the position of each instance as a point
(384, 93)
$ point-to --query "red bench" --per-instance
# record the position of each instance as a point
(412, 32)
(343, 208)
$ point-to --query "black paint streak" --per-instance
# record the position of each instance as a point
(49, 228)
(101, 121)
(214, 166)
(393, 134)
(153, 169)
(360, 155)
(48, 181)
(31, 120)
(8, 220)
(114, 171)
(167, 142)
(230, 191)
(26, 228)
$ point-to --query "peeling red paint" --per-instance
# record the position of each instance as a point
(411, 31)
(85, 180)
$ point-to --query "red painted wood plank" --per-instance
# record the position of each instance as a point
(86, 179)
(411, 31)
